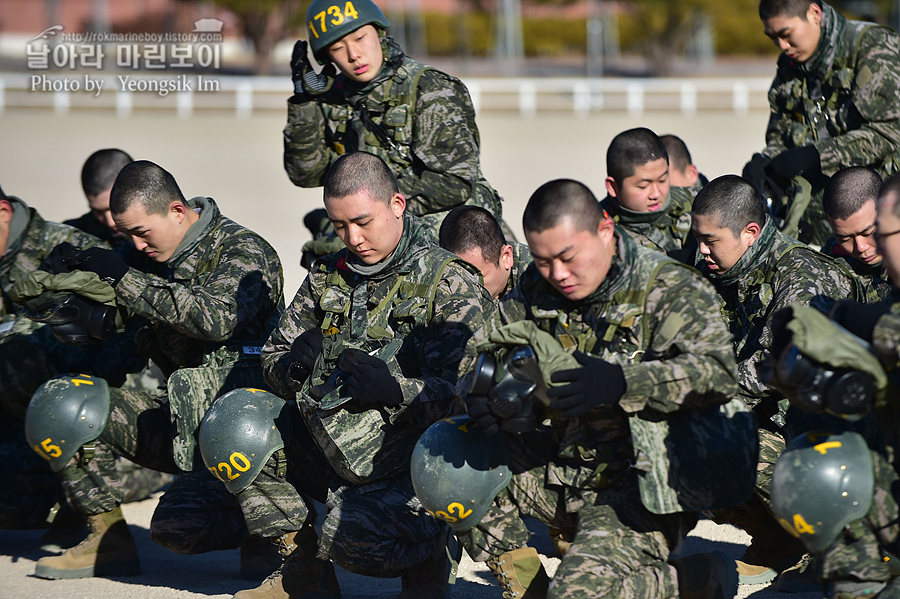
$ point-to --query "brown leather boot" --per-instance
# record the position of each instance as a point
(108, 550)
(432, 579)
(68, 528)
(259, 558)
(521, 574)
(706, 576)
(301, 575)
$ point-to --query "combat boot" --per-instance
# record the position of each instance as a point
(301, 575)
(259, 558)
(108, 550)
(69, 526)
(521, 574)
(706, 576)
(432, 578)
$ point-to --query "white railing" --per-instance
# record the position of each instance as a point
(244, 95)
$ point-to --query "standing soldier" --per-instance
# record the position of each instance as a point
(641, 198)
(211, 291)
(849, 204)
(370, 349)
(833, 104)
(371, 97)
(757, 270)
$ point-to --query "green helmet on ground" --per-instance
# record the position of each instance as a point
(65, 413)
(240, 432)
(327, 21)
(457, 471)
(821, 483)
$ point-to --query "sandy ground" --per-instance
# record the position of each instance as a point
(239, 164)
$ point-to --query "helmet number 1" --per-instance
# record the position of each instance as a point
(337, 17)
(52, 451)
(240, 463)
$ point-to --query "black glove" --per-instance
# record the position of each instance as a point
(306, 80)
(304, 351)
(597, 383)
(858, 318)
(793, 162)
(781, 336)
(372, 382)
(478, 409)
(755, 173)
(108, 265)
(55, 262)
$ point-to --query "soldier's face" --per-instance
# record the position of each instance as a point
(156, 235)
(856, 234)
(798, 38)
(644, 191)
(371, 229)
(888, 227)
(358, 54)
(686, 178)
(99, 205)
(719, 246)
(574, 261)
(495, 274)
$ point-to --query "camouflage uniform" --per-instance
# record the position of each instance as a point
(585, 474)
(843, 101)
(215, 299)
(775, 272)
(428, 300)
(666, 230)
(419, 120)
(872, 282)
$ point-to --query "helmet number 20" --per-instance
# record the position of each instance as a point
(240, 463)
(337, 17)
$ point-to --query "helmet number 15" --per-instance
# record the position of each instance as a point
(337, 17)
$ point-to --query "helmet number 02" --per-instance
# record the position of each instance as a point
(337, 17)
(52, 451)
(240, 463)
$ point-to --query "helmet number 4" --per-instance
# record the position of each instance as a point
(337, 17)
(800, 526)
(240, 463)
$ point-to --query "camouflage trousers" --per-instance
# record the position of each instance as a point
(379, 529)
(858, 554)
(620, 549)
(195, 515)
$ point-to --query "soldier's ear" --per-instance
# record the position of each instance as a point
(751, 233)
(814, 14)
(612, 187)
(6, 211)
(398, 204)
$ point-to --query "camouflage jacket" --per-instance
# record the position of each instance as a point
(223, 287)
(31, 240)
(89, 224)
(654, 316)
(872, 282)
(394, 308)
(843, 100)
(666, 230)
(419, 120)
(773, 273)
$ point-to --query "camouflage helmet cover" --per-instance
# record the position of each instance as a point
(821, 483)
(240, 432)
(457, 471)
(65, 413)
(327, 21)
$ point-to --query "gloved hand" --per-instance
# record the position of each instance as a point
(793, 162)
(372, 382)
(478, 409)
(108, 265)
(597, 383)
(304, 351)
(755, 173)
(306, 80)
(781, 336)
(859, 319)
(55, 262)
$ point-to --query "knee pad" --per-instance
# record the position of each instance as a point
(240, 432)
(65, 413)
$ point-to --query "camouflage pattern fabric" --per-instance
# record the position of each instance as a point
(872, 282)
(667, 230)
(773, 273)
(419, 120)
(842, 101)
(138, 483)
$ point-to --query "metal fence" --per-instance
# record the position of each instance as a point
(187, 94)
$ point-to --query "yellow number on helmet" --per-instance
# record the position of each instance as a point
(350, 12)
(335, 12)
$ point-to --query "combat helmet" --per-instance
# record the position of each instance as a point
(821, 483)
(240, 432)
(327, 21)
(457, 471)
(65, 413)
